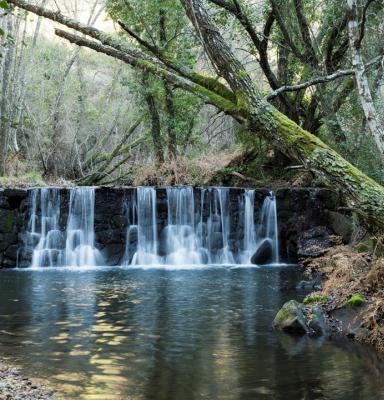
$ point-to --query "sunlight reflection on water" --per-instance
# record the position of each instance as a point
(172, 334)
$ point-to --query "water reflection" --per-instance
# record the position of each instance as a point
(157, 334)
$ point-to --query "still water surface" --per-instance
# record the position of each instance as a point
(173, 335)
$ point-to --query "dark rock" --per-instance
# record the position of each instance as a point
(264, 254)
(315, 241)
(118, 221)
(113, 254)
(110, 236)
(297, 318)
(8, 263)
(316, 320)
(291, 318)
(12, 252)
(7, 221)
(314, 284)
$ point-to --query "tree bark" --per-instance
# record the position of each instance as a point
(169, 100)
(5, 83)
(155, 121)
(252, 110)
(375, 126)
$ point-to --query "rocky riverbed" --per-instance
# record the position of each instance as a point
(15, 386)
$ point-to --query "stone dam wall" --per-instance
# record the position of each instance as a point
(300, 212)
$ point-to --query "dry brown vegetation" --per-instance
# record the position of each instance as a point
(347, 273)
(184, 171)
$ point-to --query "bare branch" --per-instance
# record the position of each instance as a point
(321, 79)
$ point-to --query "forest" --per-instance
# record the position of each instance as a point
(169, 140)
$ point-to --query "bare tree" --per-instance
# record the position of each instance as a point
(366, 99)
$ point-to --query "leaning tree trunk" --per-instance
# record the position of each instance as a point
(375, 126)
(244, 102)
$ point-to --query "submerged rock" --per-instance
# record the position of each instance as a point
(297, 318)
(13, 385)
(264, 254)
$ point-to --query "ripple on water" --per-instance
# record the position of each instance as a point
(173, 334)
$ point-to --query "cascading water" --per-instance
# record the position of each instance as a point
(53, 247)
(184, 226)
(147, 243)
(270, 224)
(45, 235)
(80, 244)
(198, 235)
(182, 243)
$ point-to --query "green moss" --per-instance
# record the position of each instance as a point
(315, 299)
(215, 86)
(356, 300)
(282, 314)
(364, 247)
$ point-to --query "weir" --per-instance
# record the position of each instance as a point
(195, 228)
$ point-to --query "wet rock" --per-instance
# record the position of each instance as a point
(291, 318)
(297, 318)
(313, 284)
(316, 241)
(113, 254)
(12, 252)
(316, 320)
(264, 254)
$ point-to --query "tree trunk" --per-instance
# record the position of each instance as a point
(155, 121)
(366, 99)
(249, 107)
(172, 140)
(169, 103)
(5, 81)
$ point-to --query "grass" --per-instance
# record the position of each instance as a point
(315, 299)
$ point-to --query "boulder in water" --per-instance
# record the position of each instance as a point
(291, 318)
(298, 318)
(264, 254)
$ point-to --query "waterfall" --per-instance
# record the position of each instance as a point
(45, 231)
(265, 230)
(198, 234)
(80, 244)
(177, 226)
(250, 241)
(182, 243)
(52, 246)
(269, 222)
(147, 246)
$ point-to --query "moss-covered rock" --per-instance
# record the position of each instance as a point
(291, 318)
(298, 318)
